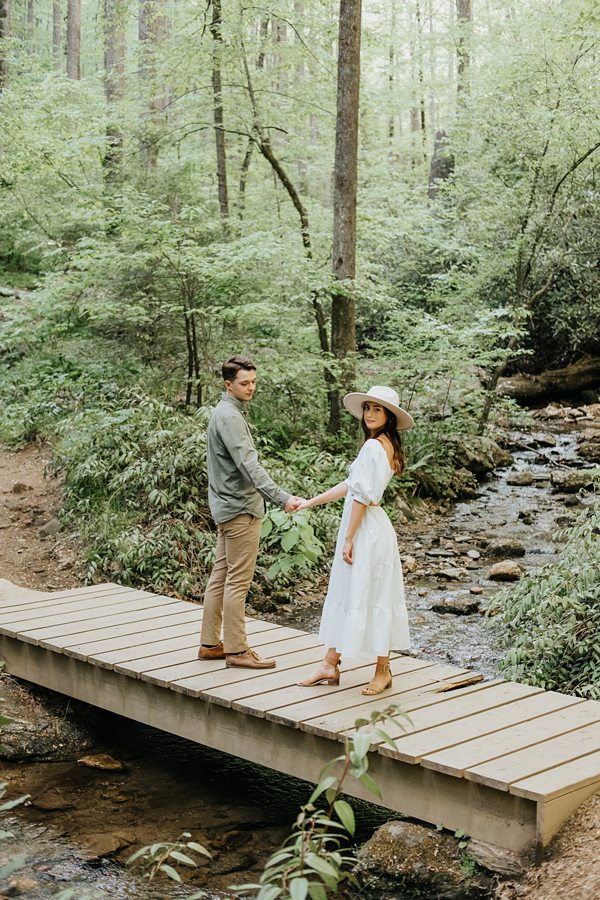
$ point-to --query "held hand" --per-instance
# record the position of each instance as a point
(304, 504)
(347, 551)
(293, 504)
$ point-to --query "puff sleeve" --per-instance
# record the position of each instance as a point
(369, 473)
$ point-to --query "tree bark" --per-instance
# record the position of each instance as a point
(343, 319)
(57, 33)
(217, 36)
(152, 32)
(4, 33)
(556, 383)
(114, 77)
(464, 20)
(74, 39)
(30, 16)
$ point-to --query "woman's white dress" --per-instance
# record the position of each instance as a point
(365, 611)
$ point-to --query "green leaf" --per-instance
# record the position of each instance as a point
(322, 786)
(321, 866)
(170, 871)
(269, 892)
(198, 848)
(182, 858)
(346, 815)
(266, 528)
(12, 866)
(370, 784)
(298, 888)
(290, 539)
(316, 891)
(361, 743)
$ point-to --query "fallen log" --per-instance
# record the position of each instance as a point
(554, 384)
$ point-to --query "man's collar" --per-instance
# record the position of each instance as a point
(239, 404)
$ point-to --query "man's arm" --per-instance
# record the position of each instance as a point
(237, 439)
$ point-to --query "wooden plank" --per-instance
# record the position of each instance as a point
(571, 744)
(52, 596)
(53, 603)
(293, 713)
(188, 664)
(559, 780)
(93, 650)
(273, 694)
(502, 745)
(423, 741)
(342, 723)
(58, 634)
(74, 612)
(98, 643)
(200, 685)
(132, 624)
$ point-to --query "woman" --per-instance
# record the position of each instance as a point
(364, 612)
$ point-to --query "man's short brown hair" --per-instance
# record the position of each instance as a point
(234, 364)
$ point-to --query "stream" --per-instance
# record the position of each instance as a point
(240, 811)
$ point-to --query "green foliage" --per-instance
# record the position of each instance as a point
(552, 617)
(166, 856)
(314, 861)
(12, 865)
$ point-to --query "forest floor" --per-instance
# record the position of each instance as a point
(30, 499)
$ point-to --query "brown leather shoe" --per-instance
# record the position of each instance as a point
(211, 652)
(248, 660)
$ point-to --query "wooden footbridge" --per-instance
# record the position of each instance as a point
(505, 762)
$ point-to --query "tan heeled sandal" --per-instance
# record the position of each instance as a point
(375, 686)
(331, 680)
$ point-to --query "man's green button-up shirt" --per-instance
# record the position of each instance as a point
(237, 483)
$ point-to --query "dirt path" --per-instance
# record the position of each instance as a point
(29, 501)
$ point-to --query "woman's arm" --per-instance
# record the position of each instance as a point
(357, 514)
(335, 493)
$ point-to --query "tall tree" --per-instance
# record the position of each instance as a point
(343, 317)
(114, 77)
(464, 20)
(56, 33)
(30, 15)
(74, 39)
(152, 32)
(4, 33)
(217, 85)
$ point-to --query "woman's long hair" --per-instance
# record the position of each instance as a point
(390, 429)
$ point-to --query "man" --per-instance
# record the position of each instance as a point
(237, 489)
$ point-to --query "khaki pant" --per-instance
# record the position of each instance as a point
(225, 595)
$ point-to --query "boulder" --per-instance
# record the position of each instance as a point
(505, 571)
(49, 529)
(463, 485)
(590, 450)
(409, 564)
(37, 728)
(505, 547)
(479, 454)
(570, 481)
(404, 859)
(102, 761)
(496, 859)
(458, 606)
(522, 478)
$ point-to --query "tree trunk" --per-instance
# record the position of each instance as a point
(152, 32)
(343, 323)
(114, 78)
(217, 35)
(4, 33)
(57, 34)
(464, 20)
(30, 16)
(392, 69)
(553, 384)
(74, 39)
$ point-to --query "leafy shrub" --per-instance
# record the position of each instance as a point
(552, 618)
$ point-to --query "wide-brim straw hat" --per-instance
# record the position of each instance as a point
(385, 396)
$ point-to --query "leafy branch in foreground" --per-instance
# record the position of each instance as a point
(312, 862)
(164, 856)
(13, 864)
